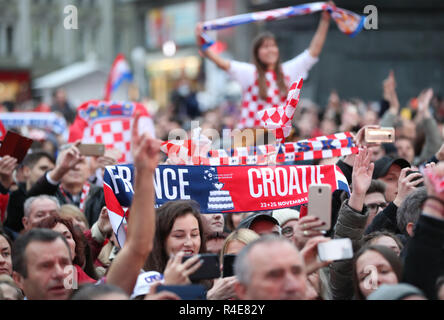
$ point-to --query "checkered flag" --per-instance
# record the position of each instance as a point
(279, 119)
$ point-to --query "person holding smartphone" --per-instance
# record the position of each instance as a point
(179, 233)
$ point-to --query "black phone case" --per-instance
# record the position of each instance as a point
(186, 292)
(228, 265)
(210, 268)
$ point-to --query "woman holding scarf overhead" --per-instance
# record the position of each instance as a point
(265, 83)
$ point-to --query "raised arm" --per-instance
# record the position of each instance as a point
(425, 119)
(141, 225)
(351, 222)
(317, 43)
(218, 60)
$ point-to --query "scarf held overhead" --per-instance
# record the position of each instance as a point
(221, 189)
(348, 22)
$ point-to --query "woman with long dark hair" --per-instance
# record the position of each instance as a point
(373, 266)
(265, 83)
(179, 232)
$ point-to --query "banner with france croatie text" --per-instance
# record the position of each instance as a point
(219, 189)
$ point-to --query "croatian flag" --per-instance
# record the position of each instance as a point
(341, 180)
(120, 72)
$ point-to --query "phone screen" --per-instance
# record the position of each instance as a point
(210, 269)
(337, 249)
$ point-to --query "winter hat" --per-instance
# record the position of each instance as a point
(285, 215)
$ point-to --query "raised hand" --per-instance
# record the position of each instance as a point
(177, 273)
(104, 224)
(406, 185)
(67, 160)
(310, 254)
(305, 229)
(433, 176)
(362, 177)
(362, 171)
(7, 167)
(145, 149)
(424, 103)
(359, 140)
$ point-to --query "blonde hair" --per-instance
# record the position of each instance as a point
(243, 235)
(69, 211)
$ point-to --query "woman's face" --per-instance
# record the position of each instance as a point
(234, 247)
(372, 271)
(387, 242)
(61, 228)
(184, 236)
(5, 257)
(268, 53)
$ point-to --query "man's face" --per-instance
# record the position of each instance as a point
(40, 209)
(213, 222)
(38, 170)
(391, 182)
(405, 149)
(375, 202)
(376, 153)
(46, 263)
(77, 175)
(278, 273)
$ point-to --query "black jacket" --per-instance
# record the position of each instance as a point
(15, 209)
(424, 260)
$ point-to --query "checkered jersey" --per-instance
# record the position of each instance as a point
(110, 123)
(252, 103)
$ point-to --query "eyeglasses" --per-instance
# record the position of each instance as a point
(287, 232)
(374, 207)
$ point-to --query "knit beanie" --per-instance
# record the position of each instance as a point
(285, 215)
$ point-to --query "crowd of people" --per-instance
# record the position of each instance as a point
(57, 242)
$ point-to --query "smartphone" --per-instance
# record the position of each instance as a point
(382, 135)
(412, 171)
(210, 269)
(228, 265)
(319, 204)
(15, 145)
(92, 150)
(186, 292)
(334, 250)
